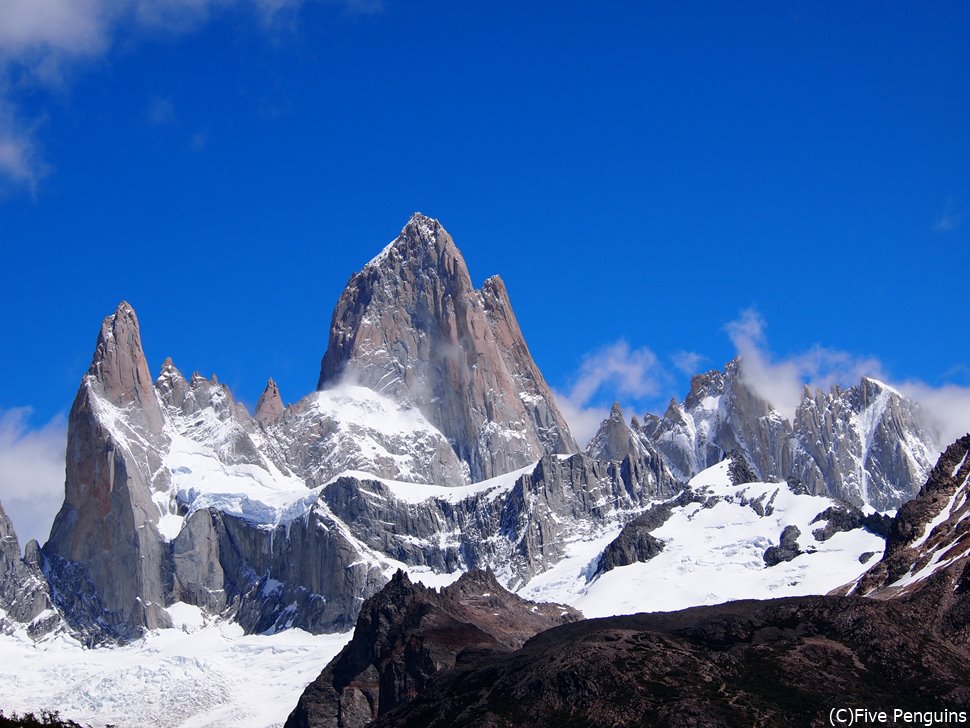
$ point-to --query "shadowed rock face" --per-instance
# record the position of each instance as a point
(771, 663)
(865, 444)
(406, 634)
(721, 414)
(411, 326)
(24, 594)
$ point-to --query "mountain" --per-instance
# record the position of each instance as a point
(433, 448)
(714, 541)
(176, 494)
(412, 327)
(407, 633)
(868, 444)
(105, 536)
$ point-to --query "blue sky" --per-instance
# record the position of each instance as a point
(660, 187)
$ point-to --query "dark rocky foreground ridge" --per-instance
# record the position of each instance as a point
(784, 662)
(407, 633)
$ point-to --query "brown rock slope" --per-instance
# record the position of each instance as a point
(927, 559)
(406, 634)
(784, 662)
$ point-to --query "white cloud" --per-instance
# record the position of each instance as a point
(687, 362)
(31, 472)
(583, 420)
(947, 406)
(631, 372)
(43, 41)
(77, 27)
(950, 219)
(624, 372)
(19, 158)
(781, 381)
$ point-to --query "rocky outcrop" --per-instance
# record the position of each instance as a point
(518, 528)
(779, 662)
(866, 445)
(721, 413)
(739, 470)
(406, 634)
(269, 408)
(24, 595)
(107, 524)
(839, 519)
(927, 559)
(632, 545)
(617, 441)
(786, 550)
(412, 327)
(307, 573)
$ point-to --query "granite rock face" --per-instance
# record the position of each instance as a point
(305, 574)
(269, 408)
(867, 445)
(617, 441)
(786, 550)
(115, 441)
(406, 634)
(412, 327)
(24, 593)
(720, 414)
(518, 528)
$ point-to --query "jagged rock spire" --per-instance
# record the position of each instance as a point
(119, 364)
(269, 408)
(171, 385)
(411, 326)
(108, 519)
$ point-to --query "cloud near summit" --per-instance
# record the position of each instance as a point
(781, 381)
(635, 376)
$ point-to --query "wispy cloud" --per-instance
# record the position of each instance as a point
(616, 370)
(161, 111)
(687, 362)
(947, 406)
(44, 42)
(950, 219)
(31, 472)
(781, 380)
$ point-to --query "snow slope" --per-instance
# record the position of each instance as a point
(205, 674)
(713, 553)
